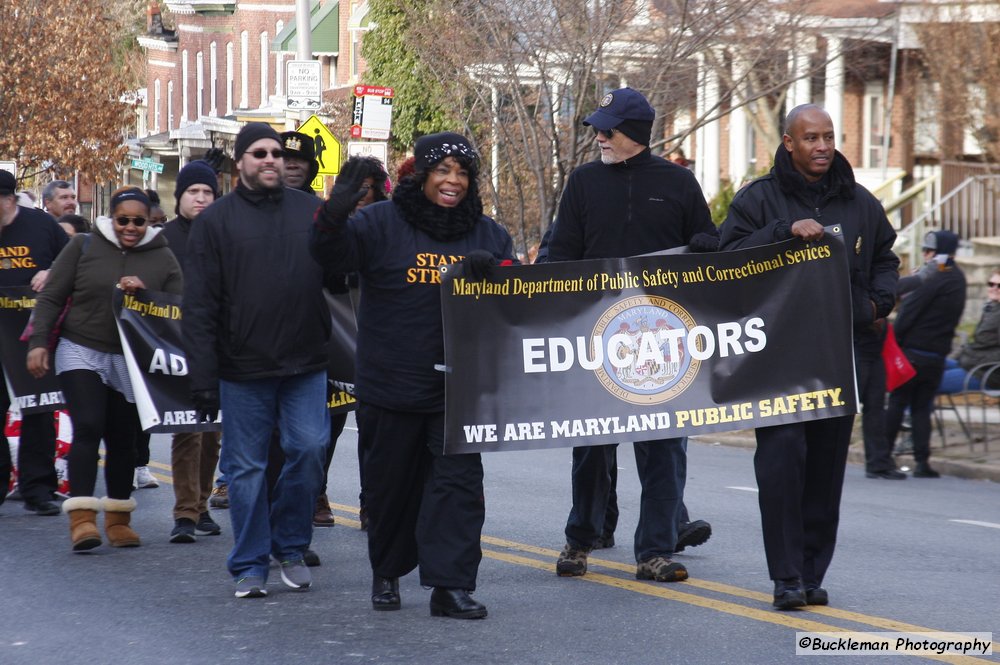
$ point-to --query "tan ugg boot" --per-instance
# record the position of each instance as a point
(82, 511)
(117, 515)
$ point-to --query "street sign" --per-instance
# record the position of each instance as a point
(302, 85)
(9, 167)
(372, 112)
(325, 143)
(147, 165)
(365, 148)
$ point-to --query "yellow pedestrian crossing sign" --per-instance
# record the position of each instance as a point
(325, 143)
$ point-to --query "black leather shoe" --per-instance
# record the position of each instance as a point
(788, 594)
(455, 603)
(924, 470)
(890, 474)
(385, 593)
(817, 595)
(43, 508)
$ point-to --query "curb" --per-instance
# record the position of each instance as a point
(984, 466)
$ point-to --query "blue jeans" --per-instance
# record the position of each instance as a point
(297, 404)
(953, 379)
(662, 468)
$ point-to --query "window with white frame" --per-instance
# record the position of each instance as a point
(279, 62)
(873, 125)
(244, 70)
(213, 79)
(170, 104)
(184, 86)
(156, 106)
(230, 76)
(199, 62)
(264, 53)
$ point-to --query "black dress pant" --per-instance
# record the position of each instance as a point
(425, 508)
(36, 450)
(871, 390)
(800, 475)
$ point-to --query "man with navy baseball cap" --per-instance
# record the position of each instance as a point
(628, 203)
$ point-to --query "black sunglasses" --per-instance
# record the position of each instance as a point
(261, 153)
(994, 285)
(124, 220)
(607, 132)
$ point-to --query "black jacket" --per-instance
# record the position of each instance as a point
(929, 314)
(253, 300)
(87, 270)
(641, 205)
(400, 335)
(763, 212)
(176, 232)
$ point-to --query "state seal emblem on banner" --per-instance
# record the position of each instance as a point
(646, 360)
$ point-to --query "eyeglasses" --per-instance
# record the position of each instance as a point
(123, 220)
(261, 153)
(994, 285)
(608, 133)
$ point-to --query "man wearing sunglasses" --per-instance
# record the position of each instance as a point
(256, 327)
(628, 203)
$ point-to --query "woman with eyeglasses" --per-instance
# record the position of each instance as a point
(125, 252)
(982, 349)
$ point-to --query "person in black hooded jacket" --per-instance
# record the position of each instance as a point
(800, 466)
(425, 508)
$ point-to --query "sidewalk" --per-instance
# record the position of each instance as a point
(978, 460)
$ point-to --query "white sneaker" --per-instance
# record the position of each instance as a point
(144, 479)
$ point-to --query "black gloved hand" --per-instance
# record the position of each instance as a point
(206, 405)
(215, 158)
(344, 197)
(704, 242)
(479, 265)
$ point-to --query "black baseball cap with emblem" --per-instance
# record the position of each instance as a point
(300, 146)
(618, 106)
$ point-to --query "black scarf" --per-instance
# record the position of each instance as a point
(442, 224)
(838, 181)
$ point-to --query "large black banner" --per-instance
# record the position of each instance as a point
(149, 324)
(27, 394)
(614, 350)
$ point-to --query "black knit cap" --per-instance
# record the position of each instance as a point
(197, 172)
(250, 134)
(433, 148)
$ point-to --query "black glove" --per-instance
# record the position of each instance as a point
(215, 158)
(704, 242)
(479, 265)
(206, 405)
(344, 197)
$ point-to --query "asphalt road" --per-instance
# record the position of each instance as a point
(914, 555)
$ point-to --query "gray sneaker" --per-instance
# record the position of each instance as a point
(295, 574)
(250, 587)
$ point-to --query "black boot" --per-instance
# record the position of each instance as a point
(385, 593)
(788, 594)
(455, 603)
